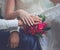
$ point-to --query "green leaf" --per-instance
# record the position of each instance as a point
(43, 17)
(47, 28)
(39, 35)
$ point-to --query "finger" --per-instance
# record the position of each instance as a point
(36, 18)
(30, 20)
(36, 23)
(17, 44)
(11, 45)
(27, 21)
(23, 21)
(14, 45)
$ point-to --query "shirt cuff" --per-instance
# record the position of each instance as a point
(17, 30)
(13, 24)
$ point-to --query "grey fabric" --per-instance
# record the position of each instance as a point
(52, 40)
(53, 35)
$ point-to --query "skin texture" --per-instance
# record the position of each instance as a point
(25, 17)
(14, 40)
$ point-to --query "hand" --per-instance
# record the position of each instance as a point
(25, 17)
(36, 19)
(20, 23)
(14, 40)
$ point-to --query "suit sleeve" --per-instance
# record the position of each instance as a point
(8, 24)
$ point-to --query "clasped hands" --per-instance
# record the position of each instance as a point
(28, 19)
(24, 19)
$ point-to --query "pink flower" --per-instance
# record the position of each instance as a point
(41, 25)
(36, 29)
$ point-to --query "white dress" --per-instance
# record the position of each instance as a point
(51, 40)
(35, 7)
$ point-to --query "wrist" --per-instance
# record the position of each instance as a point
(14, 33)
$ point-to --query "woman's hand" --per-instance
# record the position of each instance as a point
(14, 40)
(25, 17)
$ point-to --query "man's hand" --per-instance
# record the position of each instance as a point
(14, 39)
(36, 19)
(20, 22)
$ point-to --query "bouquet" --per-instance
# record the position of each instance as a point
(38, 29)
